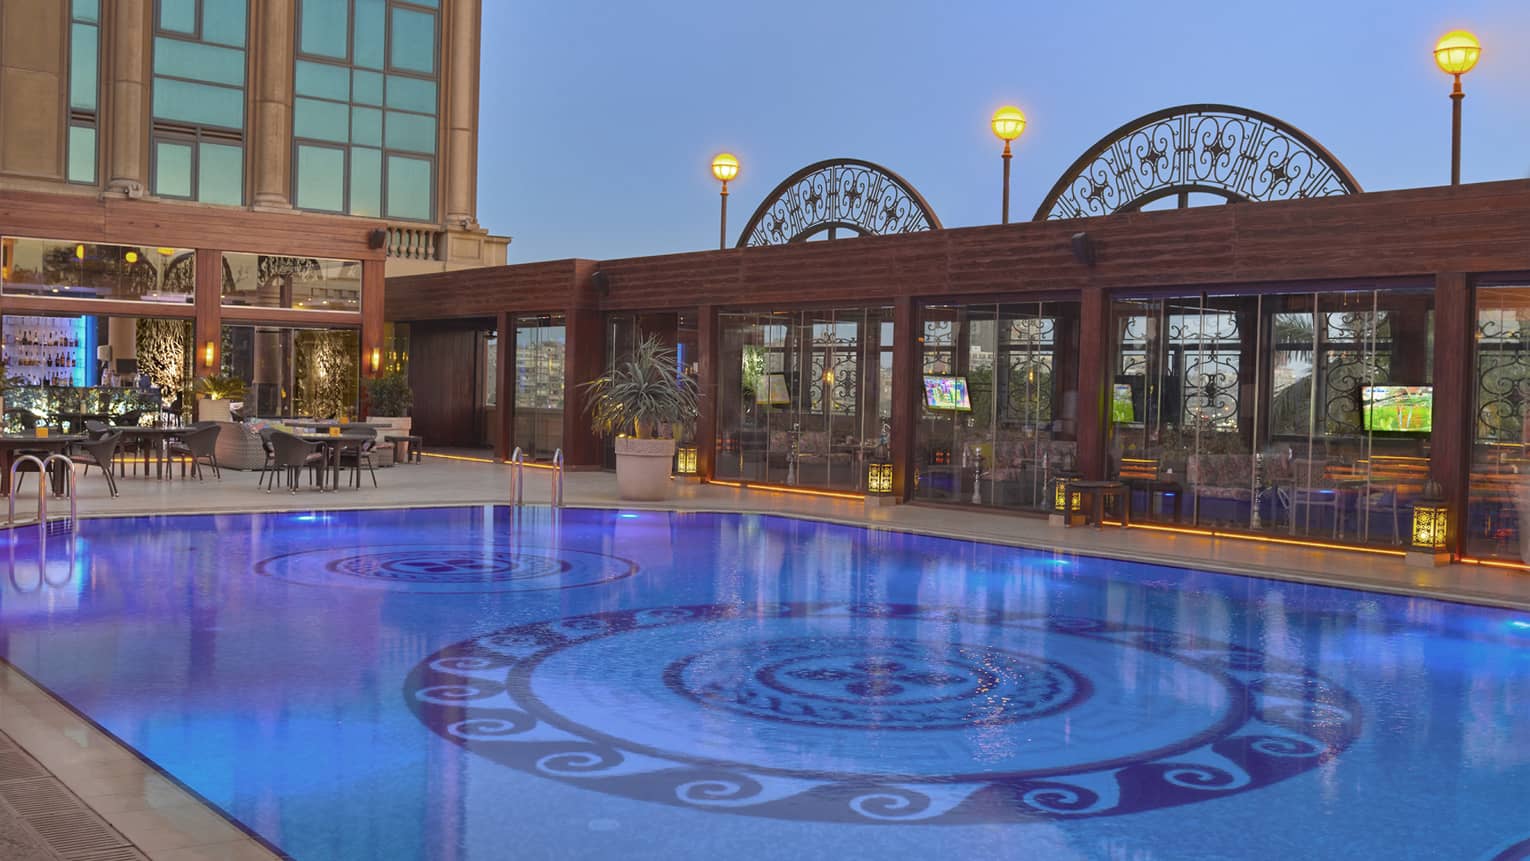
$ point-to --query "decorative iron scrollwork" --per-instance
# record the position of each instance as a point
(838, 194)
(1228, 151)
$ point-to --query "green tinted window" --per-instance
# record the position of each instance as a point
(172, 169)
(323, 80)
(199, 104)
(408, 188)
(178, 15)
(411, 94)
(366, 182)
(371, 33)
(411, 132)
(220, 174)
(86, 10)
(322, 120)
(181, 59)
(367, 88)
(83, 57)
(321, 178)
(413, 41)
(82, 154)
(366, 126)
(223, 22)
(322, 27)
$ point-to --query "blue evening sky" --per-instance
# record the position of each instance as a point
(599, 118)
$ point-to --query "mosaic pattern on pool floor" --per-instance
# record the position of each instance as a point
(443, 568)
(644, 704)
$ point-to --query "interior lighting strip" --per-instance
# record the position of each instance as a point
(779, 488)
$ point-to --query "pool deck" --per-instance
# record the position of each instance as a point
(129, 802)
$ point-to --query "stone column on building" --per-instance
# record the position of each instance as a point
(125, 115)
(270, 126)
(460, 72)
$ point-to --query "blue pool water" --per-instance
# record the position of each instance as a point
(474, 683)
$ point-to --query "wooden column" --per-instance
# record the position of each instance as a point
(584, 360)
(1094, 356)
(709, 356)
(373, 288)
(504, 391)
(905, 389)
(1451, 443)
(208, 298)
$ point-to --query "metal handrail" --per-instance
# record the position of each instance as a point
(517, 476)
(74, 505)
(42, 488)
(557, 479)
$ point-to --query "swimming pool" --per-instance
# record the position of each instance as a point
(471, 682)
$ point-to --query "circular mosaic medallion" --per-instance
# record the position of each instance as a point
(881, 713)
(876, 683)
(444, 568)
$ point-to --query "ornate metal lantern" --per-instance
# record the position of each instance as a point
(1430, 521)
(1060, 501)
(879, 476)
(685, 460)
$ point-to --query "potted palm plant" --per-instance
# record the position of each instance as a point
(215, 393)
(644, 401)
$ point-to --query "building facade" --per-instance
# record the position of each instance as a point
(219, 186)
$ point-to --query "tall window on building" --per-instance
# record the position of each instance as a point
(84, 83)
(197, 150)
(364, 119)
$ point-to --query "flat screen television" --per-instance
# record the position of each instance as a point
(1397, 409)
(772, 391)
(1123, 403)
(946, 393)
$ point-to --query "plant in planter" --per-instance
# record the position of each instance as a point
(389, 399)
(215, 393)
(644, 401)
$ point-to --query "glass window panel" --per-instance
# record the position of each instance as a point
(408, 188)
(172, 169)
(411, 132)
(366, 126)
(323, 80)
(411, 94)
(370, 33)
(367, 88)
(198, 62)
(412, 45)
(366, 182)
(320, 178)
(178, 15)
(201, 104)
(83, 59)
(87, 10)
(223, 21)
(220, 174)
(70, 269)
(322, 27)
(320, 120)
(82, 154)
(434, 4)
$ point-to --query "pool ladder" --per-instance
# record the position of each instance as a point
(518, 478)
(42, 488)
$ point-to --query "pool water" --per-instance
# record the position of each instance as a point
(482, 683)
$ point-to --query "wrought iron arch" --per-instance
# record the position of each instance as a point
(838, 194)
(1231, 152)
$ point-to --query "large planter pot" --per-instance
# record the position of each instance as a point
(399, 424)
(214, 410)
(642, 467)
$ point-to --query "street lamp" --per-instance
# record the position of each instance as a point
(1456, 53)
(1008, 123)
(725, 168)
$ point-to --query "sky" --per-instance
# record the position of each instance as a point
(599, 118)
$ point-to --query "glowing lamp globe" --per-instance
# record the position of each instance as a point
(725, 166)
(1457, 52)
(1008, 123)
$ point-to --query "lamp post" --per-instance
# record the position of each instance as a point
(1456, 53)
(1008, 123)
(725, 168)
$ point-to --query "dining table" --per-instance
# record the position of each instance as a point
(157, 438)
(12, 444)
(332, 444)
